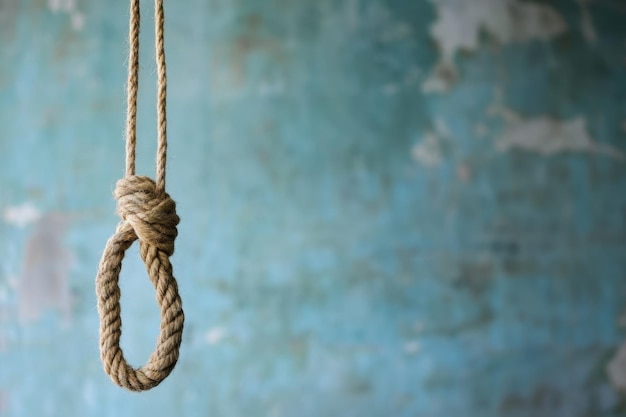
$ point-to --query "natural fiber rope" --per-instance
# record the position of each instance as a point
(148, 214)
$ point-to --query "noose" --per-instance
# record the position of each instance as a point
(148, 215)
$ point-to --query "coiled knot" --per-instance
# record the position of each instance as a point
(150, 213)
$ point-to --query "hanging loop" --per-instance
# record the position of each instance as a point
(151, 217)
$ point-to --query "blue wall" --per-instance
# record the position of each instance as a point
(389, 207)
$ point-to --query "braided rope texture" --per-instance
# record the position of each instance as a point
(150, 216)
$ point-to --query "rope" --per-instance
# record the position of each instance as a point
(149, 215)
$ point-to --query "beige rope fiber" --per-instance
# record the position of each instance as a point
(149, 215)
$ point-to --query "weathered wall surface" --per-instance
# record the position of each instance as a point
(389, 208)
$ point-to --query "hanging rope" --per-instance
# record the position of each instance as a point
(149, 215)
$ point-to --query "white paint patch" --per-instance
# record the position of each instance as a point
(460, 24)
(77, 19)
(61, 5)
(441, 78)
(548, 136)
(616, 369)
(215, 335)
(22, 215)
(429, 151)
(54, 5)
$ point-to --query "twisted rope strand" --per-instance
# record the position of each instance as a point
(132, 87)
(149, 215)
(159, 32)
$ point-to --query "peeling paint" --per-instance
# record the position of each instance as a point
(77, 19)
(43, 282)
(460, 23)
(548, 136)
(22, 215)
(430, 149)
(442, 77)
(61, 5)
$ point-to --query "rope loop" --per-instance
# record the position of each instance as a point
(155, 254)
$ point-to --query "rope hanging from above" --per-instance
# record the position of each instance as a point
(149, 215)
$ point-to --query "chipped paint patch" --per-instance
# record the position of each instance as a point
(77, 19)
(62, 5)
(442, 77)
(548, 136)
(43, 282)
(429, 151)
(22, 215)
(460, 23)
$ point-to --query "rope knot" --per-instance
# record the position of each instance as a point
(150, 212)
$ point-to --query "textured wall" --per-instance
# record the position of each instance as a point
(389, 207)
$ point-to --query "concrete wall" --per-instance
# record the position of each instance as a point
(389, 207)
